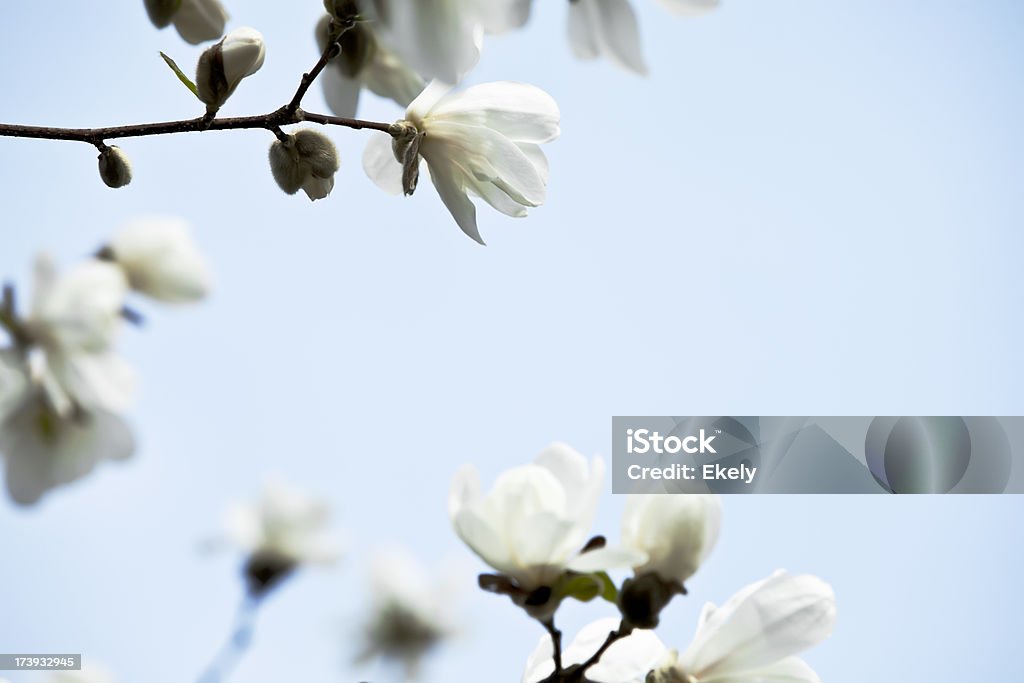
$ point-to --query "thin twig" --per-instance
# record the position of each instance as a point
(230, 654)
(623, 631)
(556, 643)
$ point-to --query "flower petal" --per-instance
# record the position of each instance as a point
(340, 93)
(380, 164)
(519, 111)
(444, 176)
(608, 28)
(690, 7)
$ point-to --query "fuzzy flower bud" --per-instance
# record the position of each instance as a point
(115, 169)
(222, 67)
(305, 161)
(161, 12)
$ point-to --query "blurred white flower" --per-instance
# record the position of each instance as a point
(532, 525)
(305, 161)
(365, 62)
(198, 21)
(73, 321)
(676, 532)
(283, 523)
(752, 638)
(439, 39)
(690, 7)
(89, 673)
(606, 28)
(410, 615)
(14, 381)
(626, 661)
(484, 141)
(222, 67)
(161, 260)
(43, 449)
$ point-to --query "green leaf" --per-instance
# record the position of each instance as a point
(608, 590)
(180, 74)
(582, 587)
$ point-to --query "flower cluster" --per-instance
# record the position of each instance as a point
(532, 529)
(63, 387)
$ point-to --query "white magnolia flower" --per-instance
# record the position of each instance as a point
(73, 321)
(43, 449)
(285, 524)
(626, 661)
(223, 66)
(198, 21)
(484, 141)
(752, 638)
(676, 532)
(533, 523)
(161, 260)
(305, 161)
(365, 62)
(439, 39)
(410, 614)
(690, 7)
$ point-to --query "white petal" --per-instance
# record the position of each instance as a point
(763, 623)
(200, 20)
(488, 155)
(690, 7)
(500, 16)
(483, 540)
(318, 188)
(439, 38)
(82, 309)
(519, 111)
(380, 164)
(448, 185)
(608, 28)
(677, 532)
(606, 558)
(433, 93)
(94, 381)
(465, 490)
(43, 453)
(789, 670)
(340, 93)
(388, 76)
(161, 260)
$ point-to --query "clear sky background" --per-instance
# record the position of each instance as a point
(807, 208)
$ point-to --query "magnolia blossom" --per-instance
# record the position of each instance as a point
(533, 523)
(42, 449)
(626, 661)
(439, 39)
(484, 141)
(161, 260)
(753, 638)
(675, 532)
(284, 524)
(365, 61)
(410, 615)
(305, 161)
(223, 66)
(73, 322)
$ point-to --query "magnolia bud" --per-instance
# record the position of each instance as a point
(222, 67)
(160, 260)
(405, 144)
(115, 169)
(344, 11)
(357, 46)
(675, 532)
(198, 21)
(305, 161)
(162, 11)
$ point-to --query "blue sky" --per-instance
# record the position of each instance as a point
(807, 208)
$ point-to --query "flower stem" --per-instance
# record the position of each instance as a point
(237, 644)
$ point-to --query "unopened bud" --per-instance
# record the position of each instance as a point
(405, 144)
(305, 161)
(162, 11)
(223, 66)
(115, 169)
(344, 12)
(200, 20)
(642, 598)
(357, 46)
